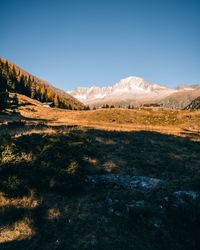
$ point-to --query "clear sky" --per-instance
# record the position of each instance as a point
(74, 43)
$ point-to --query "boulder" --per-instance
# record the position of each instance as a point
(134, 204)
(184, 198)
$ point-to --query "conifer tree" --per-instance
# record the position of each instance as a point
(15, 100)
(56, 102)
(14, 80)
(3, 91)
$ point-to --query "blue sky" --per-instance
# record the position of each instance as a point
(74, 43)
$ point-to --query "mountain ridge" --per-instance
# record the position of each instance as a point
(132, 90)
(21, 81)
(132, 87)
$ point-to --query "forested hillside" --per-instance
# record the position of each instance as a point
(14, 79)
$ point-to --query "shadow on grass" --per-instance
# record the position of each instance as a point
(14, 120)
(191, 134)
(68, 215)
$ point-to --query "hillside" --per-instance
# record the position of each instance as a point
(180, 99)
(194, 105)
(20, 81)
(176, 122)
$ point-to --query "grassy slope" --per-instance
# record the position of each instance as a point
(45, 203)
(167, 121)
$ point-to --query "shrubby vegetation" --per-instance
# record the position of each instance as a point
(43, 183)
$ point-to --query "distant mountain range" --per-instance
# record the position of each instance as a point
(136, 91)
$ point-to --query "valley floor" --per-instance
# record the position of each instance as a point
(48, 155)
(166, 121)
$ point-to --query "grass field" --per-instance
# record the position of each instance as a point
(46, 154)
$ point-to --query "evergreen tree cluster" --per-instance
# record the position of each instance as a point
(106, 106)
(14, 80)
(3, 90)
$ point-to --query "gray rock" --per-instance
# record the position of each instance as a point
(184, 198)
(155, 222)
(102, 220)
(110, 210)
(93, 241)
(109, 201)
(134, 204)
(141, 183)
(118, 213)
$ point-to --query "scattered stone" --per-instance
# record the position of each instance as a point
(93, 241)
(166, 198)
(141, 183)
(110, 210)
(155, 222)
(57, 242)
(109, 201)
(184, 198)
(102, 220)
(133, 204)
(117, 213)
(99, 204)
(70, 221)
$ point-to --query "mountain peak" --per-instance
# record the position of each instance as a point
(129, 88)
(132, 78)
(132, 82)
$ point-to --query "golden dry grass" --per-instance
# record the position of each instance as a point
(23, 202)
(20, 230)
(166, 121)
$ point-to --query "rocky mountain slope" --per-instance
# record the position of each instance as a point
(137, 91)
(20, 81)
(194, 105)
(181, 98)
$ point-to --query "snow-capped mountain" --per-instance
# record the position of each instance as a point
(126, 90)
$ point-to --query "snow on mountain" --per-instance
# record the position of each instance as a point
(130, 88)
(184, 87)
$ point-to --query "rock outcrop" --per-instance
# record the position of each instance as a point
(194, 105)
(141, 183)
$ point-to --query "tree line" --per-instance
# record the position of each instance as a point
(13, 80)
